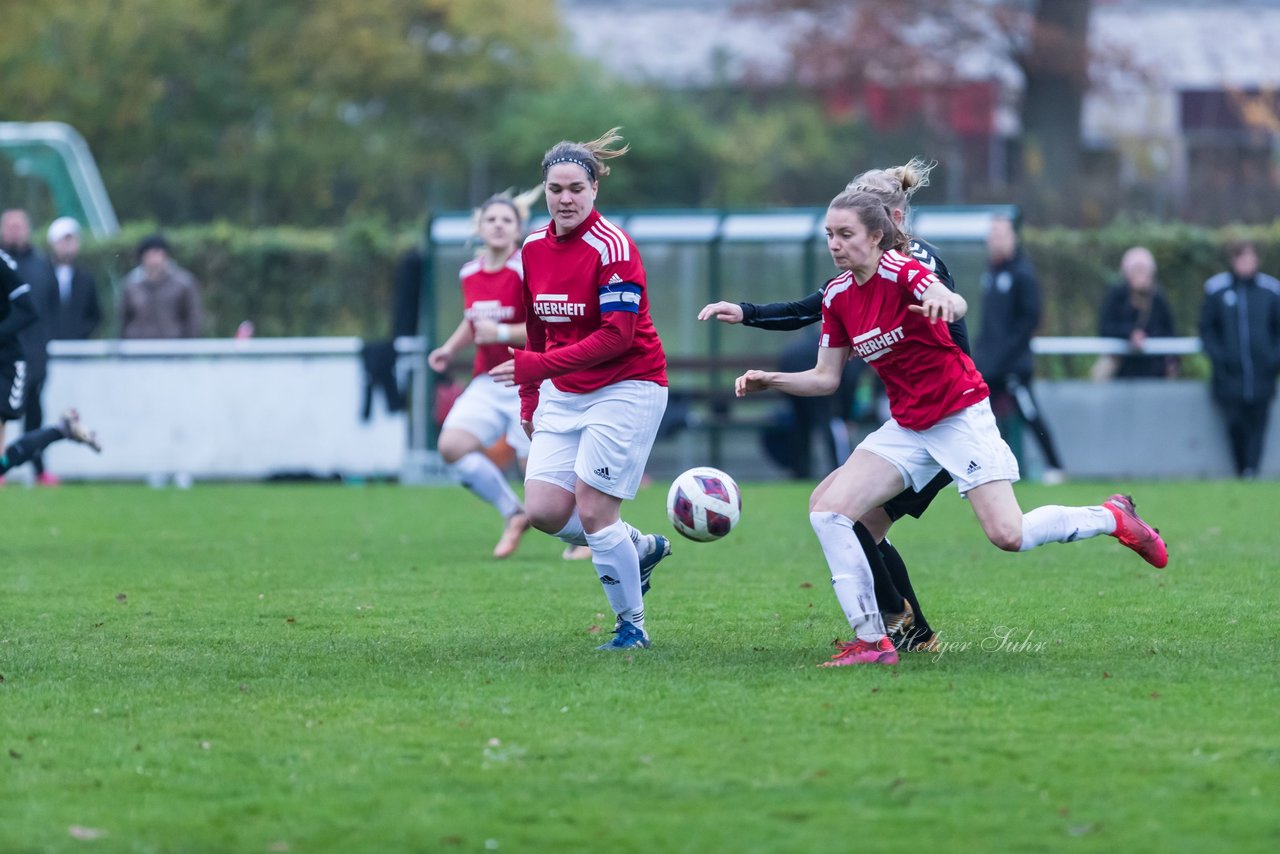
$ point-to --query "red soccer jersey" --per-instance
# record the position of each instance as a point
(926, 375)
(590, 280)
(496, 295)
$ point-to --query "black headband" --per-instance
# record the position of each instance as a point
(585, 164)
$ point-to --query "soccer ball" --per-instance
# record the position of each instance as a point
(704, 504)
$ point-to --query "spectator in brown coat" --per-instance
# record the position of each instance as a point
(160, 299)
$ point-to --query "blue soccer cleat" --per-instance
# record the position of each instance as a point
(627, 636)
(661, 549)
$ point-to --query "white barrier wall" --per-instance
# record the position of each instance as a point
(247, 410)
(1140, 429)
(220, 409)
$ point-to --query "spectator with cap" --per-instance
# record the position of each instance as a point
(160, 299)
(78, 312)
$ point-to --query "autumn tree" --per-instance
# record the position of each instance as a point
(899, 52)
(288, 111)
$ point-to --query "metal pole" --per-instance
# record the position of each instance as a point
(719, 408)
(809, 266)
(422, 462)
(427, 329)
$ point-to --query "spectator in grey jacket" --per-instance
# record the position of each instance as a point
(160, 299)
(1240, 331)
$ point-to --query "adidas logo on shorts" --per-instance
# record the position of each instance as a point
(603, 473)
(973, 467)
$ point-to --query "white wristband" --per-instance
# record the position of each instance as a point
(504, 333)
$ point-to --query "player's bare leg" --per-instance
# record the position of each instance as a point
(1012, 530)
(464, 454)
(864, 482)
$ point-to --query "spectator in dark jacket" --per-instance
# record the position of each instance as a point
(1135, 309)
(1010, 314)
(1240, 331)
(79, 313)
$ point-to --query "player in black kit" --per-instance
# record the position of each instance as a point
(16, 314)
(904, 619)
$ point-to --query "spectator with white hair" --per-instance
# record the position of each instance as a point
(1135, 310)
(79, 313)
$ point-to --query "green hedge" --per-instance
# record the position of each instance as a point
(1077, 267)
(289, 282)
(338, 282)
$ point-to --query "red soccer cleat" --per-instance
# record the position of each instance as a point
(1135, 533)
(863, 652)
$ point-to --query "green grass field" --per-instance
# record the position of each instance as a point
(276, 668)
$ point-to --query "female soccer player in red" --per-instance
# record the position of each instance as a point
(899, 606)
(886, 309)
(493, 319)
(594, 423)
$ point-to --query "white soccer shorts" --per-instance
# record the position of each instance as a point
(601, 437)
(489, 410)
(966, 443)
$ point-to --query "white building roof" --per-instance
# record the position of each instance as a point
(1182, 43)
(679, 42)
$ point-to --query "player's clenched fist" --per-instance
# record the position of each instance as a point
(943, 307)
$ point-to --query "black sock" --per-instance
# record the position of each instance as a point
(888, 599)
(897, 569)
(28, 446)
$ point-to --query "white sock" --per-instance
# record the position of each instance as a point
(573, 534)
(1054, 523)
(850, 574)
(478, 473)
(618, 566)
(644, 543)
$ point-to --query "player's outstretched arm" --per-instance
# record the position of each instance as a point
(782, 316)
(819, 381)
(440, 357)
(725, 312)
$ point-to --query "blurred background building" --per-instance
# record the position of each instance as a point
(1180, 109)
